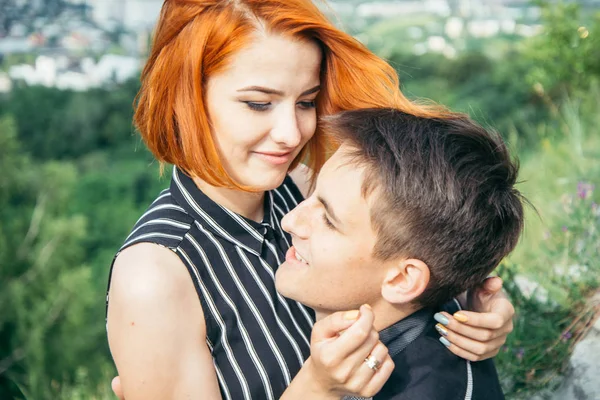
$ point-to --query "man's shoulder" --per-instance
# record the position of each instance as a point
(427, 370)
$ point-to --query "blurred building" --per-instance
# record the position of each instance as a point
(131, 14)
(64, 73)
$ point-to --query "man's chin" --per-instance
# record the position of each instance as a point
(286, 285)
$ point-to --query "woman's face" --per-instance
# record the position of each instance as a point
(262, 108)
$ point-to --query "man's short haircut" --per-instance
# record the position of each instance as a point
(444, 193)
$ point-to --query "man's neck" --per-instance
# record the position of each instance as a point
(386, 314)
(247, 204)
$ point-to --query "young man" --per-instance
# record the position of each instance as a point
(408, 213)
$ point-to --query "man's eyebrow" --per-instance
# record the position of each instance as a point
(329, 210)
(276, 92)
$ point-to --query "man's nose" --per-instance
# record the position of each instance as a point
(296, 222)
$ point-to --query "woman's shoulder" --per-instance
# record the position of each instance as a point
(147, 279)
(146, 272)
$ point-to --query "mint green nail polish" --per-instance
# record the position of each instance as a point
(441, 318)
(445, 341)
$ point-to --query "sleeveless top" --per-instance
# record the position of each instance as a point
(258, 339)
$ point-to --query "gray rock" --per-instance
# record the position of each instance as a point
(582, 382)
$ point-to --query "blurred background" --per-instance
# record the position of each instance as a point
(74, 176)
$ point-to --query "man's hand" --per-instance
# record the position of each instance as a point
(479, 334)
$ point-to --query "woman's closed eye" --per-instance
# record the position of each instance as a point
(264, 106)
(256, 106)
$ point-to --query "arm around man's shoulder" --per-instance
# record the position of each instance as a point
(156, 328)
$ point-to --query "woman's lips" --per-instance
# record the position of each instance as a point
(275, 158)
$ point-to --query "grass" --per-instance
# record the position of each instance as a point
(559, 252)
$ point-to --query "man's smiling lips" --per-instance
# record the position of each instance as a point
(294, 258)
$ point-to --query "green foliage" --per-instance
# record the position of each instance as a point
(60, 225)
(559, 254)
(65, 125)
(566, 55)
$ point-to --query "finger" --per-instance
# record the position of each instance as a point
(379, 378)
(467, 355)
(116, 388)
(491, 284)
(356, 359)
(356, 335)
(363, 374)
(332, 325)
(471, 346)
(471, 332)
(491, 320)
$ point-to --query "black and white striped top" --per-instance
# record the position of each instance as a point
(258, 339)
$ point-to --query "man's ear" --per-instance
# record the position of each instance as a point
(405, 281)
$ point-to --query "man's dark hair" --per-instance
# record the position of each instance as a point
(445, 193)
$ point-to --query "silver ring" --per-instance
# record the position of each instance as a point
(372, 363)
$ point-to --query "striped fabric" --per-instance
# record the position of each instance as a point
(258, 339)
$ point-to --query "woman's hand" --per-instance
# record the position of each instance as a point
(340, 343)
(479, 334)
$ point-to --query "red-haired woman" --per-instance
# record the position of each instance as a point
(230, 96)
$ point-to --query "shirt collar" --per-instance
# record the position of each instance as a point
(396, 337)
(219, 220)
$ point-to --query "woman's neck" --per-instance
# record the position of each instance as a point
(247, 204)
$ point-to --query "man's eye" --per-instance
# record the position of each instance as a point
(327, 222)
(308, 104)
(257, 106)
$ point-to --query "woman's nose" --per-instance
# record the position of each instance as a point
(286, 131)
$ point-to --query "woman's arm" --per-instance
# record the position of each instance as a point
(156, 328)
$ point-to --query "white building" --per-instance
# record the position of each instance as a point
(54, 72)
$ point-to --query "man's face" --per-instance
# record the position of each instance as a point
(330, 265)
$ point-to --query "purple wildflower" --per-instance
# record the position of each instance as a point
(584, 190)
(520, 353)
(565, 228)
(566, 335)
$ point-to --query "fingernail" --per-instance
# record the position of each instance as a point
(441, 318)
(460, 317)
(351, 315)
(445, 341)
(368, 306)
(441, 330)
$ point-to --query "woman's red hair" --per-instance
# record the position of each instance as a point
(195, 39)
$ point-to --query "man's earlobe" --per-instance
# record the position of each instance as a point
(405, 281)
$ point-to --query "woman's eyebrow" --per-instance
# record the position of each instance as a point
(276, 92)
(262, 90)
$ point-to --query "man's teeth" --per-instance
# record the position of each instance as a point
(300, 258)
